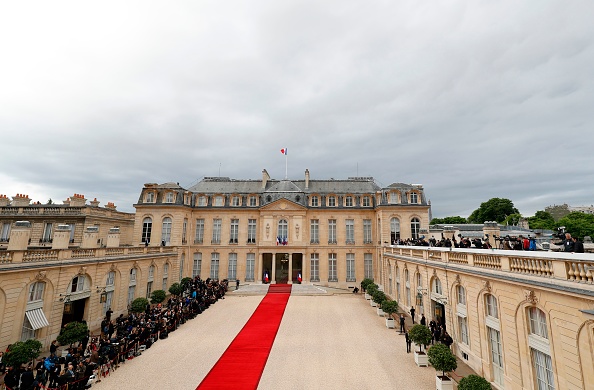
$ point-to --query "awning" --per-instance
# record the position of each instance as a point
(37, 318)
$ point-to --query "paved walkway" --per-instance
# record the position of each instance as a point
(327, 340)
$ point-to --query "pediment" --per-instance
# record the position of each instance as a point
(283, 205)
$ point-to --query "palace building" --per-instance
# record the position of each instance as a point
(328, 232)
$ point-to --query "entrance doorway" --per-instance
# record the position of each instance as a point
(266, 267)
(76, 312)
(297, 271)
(439, 312)
(282, 268)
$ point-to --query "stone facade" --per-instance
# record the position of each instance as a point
(327, 232)
(513, 315)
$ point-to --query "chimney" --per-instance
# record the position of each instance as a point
(21, 200)
(110, 206)
(61, 237)
(77, 200)
(492, 229)
(307, 179)
(4, 201)
(94, 203)
(113, 238)
(90, 238)
(19, 236)
(265, 178)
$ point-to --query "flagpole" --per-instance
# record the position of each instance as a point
(286, 166)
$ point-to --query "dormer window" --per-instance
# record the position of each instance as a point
(218, 200)
(253, 201)
(202, 201)
(414, 198)
(332, 201)
(315, 201)
(366, 201)
(169, 197)
(150, 197)
(236, 201)
(348, 201)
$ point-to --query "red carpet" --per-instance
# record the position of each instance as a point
(279, 288)
(243, 362)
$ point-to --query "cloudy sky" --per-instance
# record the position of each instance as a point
(473, 99)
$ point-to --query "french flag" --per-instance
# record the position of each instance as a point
(284, 151)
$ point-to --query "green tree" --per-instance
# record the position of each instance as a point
(390, 307)
(512, 220)
(474, 382)
(420, 335)
(578, 224)
(158, 296)
(22, 352)
(365, 283)
(176, 289)
(457, 220)
(495, 209)
(71, 333)
(541, 220)
(442, 358)
(139, 305)
(378, 297)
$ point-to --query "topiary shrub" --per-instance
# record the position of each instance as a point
(73, 332)
(420, 335)
(474, 382)
(378, 297)
(442, 358)
(176, 289)
(158, 296)
(365, 283)
(390, 307)
(139, 305)
(22, 352)
(372, 288)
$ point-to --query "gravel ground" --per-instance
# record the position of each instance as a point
(333, 341)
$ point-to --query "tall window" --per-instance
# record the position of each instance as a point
(315, 267)
(394, 230)
(366, 201)
(251, 234)
(367, 239)
(151, 272)
(436, 288)
(398, 284)
(214, 265)
(147, 226)
(169, 197)
(348, 201)
(149, 289)
(419, 286)
(216, 231)
(314, 231)
(253, 201)
(462, 312)
(496, 355)
(414, 198)
(463, 326)
(166, 230)
(78, 284)
(132, 276)
(315, 201)
(181, 266)
(461, 295)
(131, 286)
(491, 306)
(234, 234)
(332, 272)
(232, 267)
(350, 231)
(368, 265)
(165, 276)
(109, 289)
(197, 266)
(36, 291)
(332, 201)
(283, 230)
(415, 227)
(131, 294)
(350, 267)
(250, 267)
(5, 233)
(47, 232)
(540, 350)
(199, 238)
(407, 286)
(390, 280)
(331, 231)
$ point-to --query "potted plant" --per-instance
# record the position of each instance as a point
(390, 307)
(72, 332)
(474, 382)
(21, 352)
(158, 296)
(420, 335)
(442, 359)
(138, 305)
(371, 289)
(378, 297)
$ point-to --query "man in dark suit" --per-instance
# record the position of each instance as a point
(578, 246)
(412, 314)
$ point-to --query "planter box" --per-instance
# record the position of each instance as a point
(421, 359)
(390, 323)
(367, 296)
(373, 304)
(380, 312)
(444, 383)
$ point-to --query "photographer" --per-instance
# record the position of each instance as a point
(568, 244)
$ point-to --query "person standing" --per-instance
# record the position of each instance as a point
(412, 314)
(408, 342)
(423, 321)
(401, 323)
(568, 244)
(578, 246)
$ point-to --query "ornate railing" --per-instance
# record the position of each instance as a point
(49, 255)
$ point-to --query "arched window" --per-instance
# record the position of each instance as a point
(283, 231)
(398, 284)
(538, 322)
(166, 231)
(415, 227)
(147, 226)
(394, 230)
(462, 314)
(390, 280)
(491, 306)
(494, 338)
(407, 285)
(78, 284)
(540, 349)
(36, 291)
(133, 276)
(436, 286)
(151, 272)
(461, 295)
(109, 291)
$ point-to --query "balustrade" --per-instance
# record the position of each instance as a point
(538, 267)
(579, 271)
(40, 255)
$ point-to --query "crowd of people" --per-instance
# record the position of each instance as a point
(437, 327)
(121, 339)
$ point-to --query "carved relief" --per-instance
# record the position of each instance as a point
(267, 230)
(457, 280)
(530, 297)
(40, 275)
(297, 230)
(82, 270)
(113, 267)
(486, 286)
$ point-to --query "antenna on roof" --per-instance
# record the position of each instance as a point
(357, 168)
(219, 169)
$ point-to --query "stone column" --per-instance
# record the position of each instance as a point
(273, 270)
(259, 271)
(290, 276)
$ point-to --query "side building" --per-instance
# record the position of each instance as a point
(328, 232)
